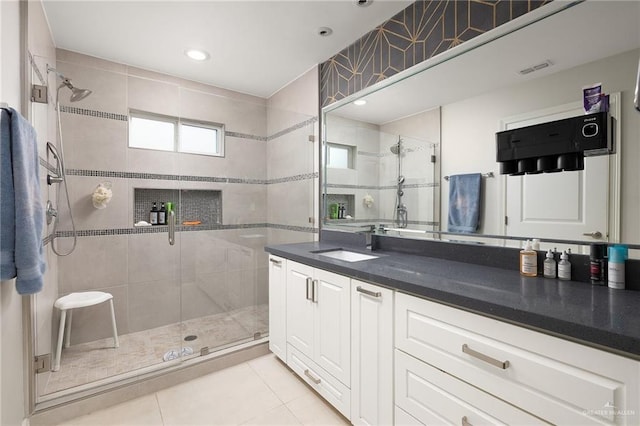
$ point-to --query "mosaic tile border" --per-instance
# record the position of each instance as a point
(244, 136)
(293, 128)
(378, 221)
(46, 240)
(187, 178)
(180, 228)
(228, 133)
(374, 187)
(306, 176)
(93, 113)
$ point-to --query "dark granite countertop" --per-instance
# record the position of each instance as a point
(592, 315)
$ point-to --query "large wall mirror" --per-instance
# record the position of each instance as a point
(386, 162)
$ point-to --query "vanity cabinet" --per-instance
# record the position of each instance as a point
(371, 354)
(557, 381)
(318, 317)
(278, 306)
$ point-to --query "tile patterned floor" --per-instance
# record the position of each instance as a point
(89, 362)
(262, 391)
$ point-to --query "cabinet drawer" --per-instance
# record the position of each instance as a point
(434, 398)
(564, 382)
(402, 418)
(322, 382)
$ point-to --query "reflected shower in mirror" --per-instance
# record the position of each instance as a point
(382, 172)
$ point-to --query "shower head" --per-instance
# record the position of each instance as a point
(396, 148)
(77, 94)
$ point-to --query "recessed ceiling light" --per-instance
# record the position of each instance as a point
(197, 55)
(364, 3)
(325, 31)
(360, 102)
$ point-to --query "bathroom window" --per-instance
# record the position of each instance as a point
(340, 156)
(165, 133)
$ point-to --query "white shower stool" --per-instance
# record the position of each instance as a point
(80, 300)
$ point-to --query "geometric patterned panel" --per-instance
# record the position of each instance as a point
(422, 30)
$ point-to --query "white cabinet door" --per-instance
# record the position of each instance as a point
(300, 307)
(372, 354)
(278, 306)
(332, 333)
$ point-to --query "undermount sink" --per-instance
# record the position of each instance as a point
(347, 256)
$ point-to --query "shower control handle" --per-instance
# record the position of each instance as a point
(172, 228)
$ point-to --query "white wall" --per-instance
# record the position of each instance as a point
(469, 127)
(11, 351)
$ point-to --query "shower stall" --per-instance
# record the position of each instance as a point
(186, 291)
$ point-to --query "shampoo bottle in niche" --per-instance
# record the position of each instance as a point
(153, 215)
(528, 261)
(564, 267)
(616, 270)
(162, 215)
(550, 265)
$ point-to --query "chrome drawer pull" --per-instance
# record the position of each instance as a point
(368, 292)
(314, 293)
(276, 262)
(310, 376)
(309, 289)
(482, 357)
(465, 422)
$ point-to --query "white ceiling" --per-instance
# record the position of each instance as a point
(583, 33)
(256, 47)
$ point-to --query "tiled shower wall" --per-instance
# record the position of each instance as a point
(376, 168)
(208, 271)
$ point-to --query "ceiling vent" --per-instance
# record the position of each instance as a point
(537, 67)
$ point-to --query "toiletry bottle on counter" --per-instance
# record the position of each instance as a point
(597, 263)
(153, 215)
(616, 271)
(550, 265)
(162, 215)
(564, 267)
(528, 261)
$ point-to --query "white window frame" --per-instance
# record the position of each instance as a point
(351, 157)
(218, 127)
(178, 122)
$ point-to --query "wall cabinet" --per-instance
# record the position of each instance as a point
(371, 354)
(278, 306)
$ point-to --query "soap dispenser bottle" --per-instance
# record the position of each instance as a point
(528, 261)
(550, 265)
(162, 215)
(153, 215)
(564, 267)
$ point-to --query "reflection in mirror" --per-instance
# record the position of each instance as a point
(382, 173)
(481, 92)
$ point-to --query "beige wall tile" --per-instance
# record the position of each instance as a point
(153, 96)
(93, 143)
(153, 304)
(97, 262)
(151, 258)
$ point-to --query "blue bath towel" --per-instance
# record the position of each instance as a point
(21, 212)
(464, 202)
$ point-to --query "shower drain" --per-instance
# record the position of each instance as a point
(172, 354)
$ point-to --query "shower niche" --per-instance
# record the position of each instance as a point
(345, 200)
(193, 207)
